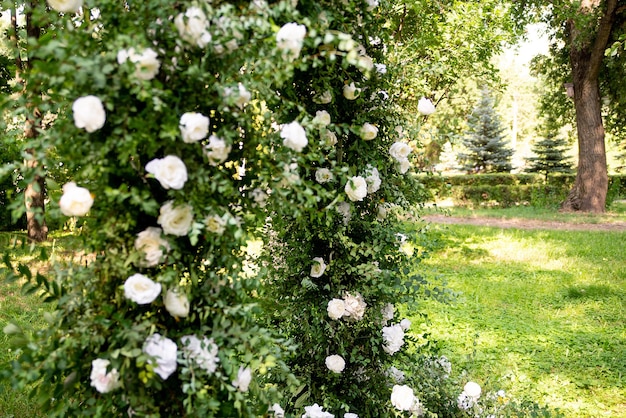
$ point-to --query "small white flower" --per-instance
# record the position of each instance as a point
(149, 242)
(316, 411)
(193, 27)
(404, 165)
(381, 212)
(175, 220)
(405, 324)
(244, 376)
(75, 201)
(318, 268)
(473, 390)
(215, 224)
(368, 131)
(146, 63)
(202, 351)
(294, 136)
(387, 311)
(217, 150)
(372, 178)
(141, 289)
(176, 303)
(322, 118)
(102, 380)
(88, 113)
(402, 397)
(66, 6)
(289, 39)
(400, 151)
(355, 306)
(170, 171)
(335, 363)
(381, 68)
(336, 308)
(329, 138)
(393, 337)
(243, 97)
(278, 411)
(164, 351)
(372, 4)
(350, 91)
(193, 127)
(425, 106)
(356, 188)
(323, 175)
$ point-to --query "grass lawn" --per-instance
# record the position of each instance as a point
(539, 313)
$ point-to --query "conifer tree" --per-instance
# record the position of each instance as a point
(488, 151)
(550, 155)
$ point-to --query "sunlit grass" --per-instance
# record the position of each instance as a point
(540, 313)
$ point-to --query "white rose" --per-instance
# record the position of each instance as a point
(355, 306)
(368, 131)
(405, 324)
(175, 220)
(141, 289)
(215, 224)
(473, 390)
(176, 303)
(381, 213)
(193, 27)
(372, 179)
(149, 241)
(102, 380)
(336, 308)
(146, 64)
(88, 113)
(404, 165)
(217, 150)
(75, 201)
(351, 91)
(294, 136)
(165, 352)
(318, 268)
(66, 6)
(323, 175)
(393, 337)
(244, 376)
(396, 375)
(381, 68)
(203, 352)
(316, 411)
(356, 188)
(425, 106)
(170, 171)
(193, 127)
(329, 137)
(289, 39)
(402, 397)
(322, 117)
(387, 311)
(278, 411)
(371, 4)
(259, 197)
(400, 151)
(324, 98)
(243, 97)
(335, 363)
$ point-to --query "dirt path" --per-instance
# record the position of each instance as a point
(525, 223)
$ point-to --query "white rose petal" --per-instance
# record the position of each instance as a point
(193, 127)
(75, 201)
(402, 397)
(344, 209)
(141, 289)
(244, 96)
(170, 171)
(102, 380)
(176, 303)
(175, 220)
(88, 113)
(318, 268)
(324, 98)
(336, 308)
(387, 311)
(425, 106)
(244, 376)
(335, 363)
(294, 136)
(289, 39)
(381, 68)
(165, 352)
(149, 241)
(356, 188)
(66, 6)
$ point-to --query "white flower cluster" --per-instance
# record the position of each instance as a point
(352, 306)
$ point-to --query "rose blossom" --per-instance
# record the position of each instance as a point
(146, 63)
(336, 308)
(387, 311)
(164, 351)
(318, 268)
(322, 117)
(372, 179)
(396, 375)
(335, 363)
(102, 380)
(404, 166)
(381, 212)
(75, 201)
(405, 324)
(402, 397)
(351, 91)
(425, 106)
(243, 96)
(202, 352)
(356, 188)
(368, 131)
(217, 150)
(176, 303)
(290, 38)
(141, 289)
(193, 127)
(400, 151)
(278, 411)
(316, 411)
(355, 306)
(149, 241)
(175, 220)
(294, 136)
(473, 390)
(323, 175)
(244, 376)
(324, 98)
(88, 113)
(170, 171)
(329, 137)
(192, 27)
(66, 6)
(393, 337)
(215, 224)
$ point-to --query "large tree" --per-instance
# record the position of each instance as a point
(581, 32)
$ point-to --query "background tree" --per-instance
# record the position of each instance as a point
(487, 149)
(550, 154)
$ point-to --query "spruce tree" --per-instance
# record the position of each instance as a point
(550, 155)
(488, 151)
